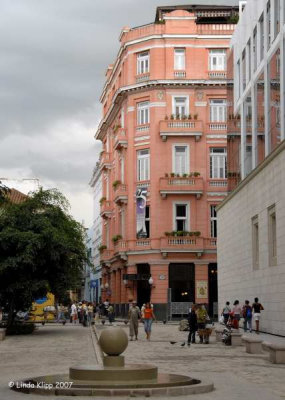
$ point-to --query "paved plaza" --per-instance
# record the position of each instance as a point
(53, 348)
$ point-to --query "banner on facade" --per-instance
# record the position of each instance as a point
(141, 208)
(201, 289)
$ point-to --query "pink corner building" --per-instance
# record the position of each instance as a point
(164, 160)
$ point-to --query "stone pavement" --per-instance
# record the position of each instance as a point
(53, 348)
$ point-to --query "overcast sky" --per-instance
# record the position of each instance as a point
(54, 54)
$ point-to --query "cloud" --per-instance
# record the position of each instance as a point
(54, 54)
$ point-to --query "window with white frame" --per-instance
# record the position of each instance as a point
(217, 60)
(218, 110)
(143, 113)
(180, 159)
(218, 163)
(143, 164)
(272, 236)
(255, 242)
(180, 106)
(181, 217)
(213, 220)
(143, 63)
(179, 59)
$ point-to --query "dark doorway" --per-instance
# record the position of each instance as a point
(143, 287)
(182, 282)
(213, 289)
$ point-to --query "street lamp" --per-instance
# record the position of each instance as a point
(106, 285)
(150, 281)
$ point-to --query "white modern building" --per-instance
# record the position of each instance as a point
(96, 184)
(251, 220)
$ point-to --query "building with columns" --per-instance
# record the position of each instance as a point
(251, 221)
(164, 159)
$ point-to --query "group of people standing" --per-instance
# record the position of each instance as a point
(232, 316)
(136, 314)
(198, 319)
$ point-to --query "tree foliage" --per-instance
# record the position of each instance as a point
(4, 190)
(42, 248)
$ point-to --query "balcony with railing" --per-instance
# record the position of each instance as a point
(215, 29)
(106, 255)
(121, 193)
(220, 127)
(105, 160)
(142, 77)
(188, 244)
(217, 74)
(121, 140)
(142, 128)
(106, 209)
(217, 185)
(179, 74)
(181, 185)
(180, 127)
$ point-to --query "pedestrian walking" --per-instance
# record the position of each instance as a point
(247, 315)
(226, 312)
(111, 314)
(257, 308)
(84, 314)
(74, 313)
(60, 313)
(134, 316)
(193, 325)
(90, 310)
(106, 306)
(148, 319)
(236, 314)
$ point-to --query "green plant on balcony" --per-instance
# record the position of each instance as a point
(196, 174)
(184, 117)
(167, 233)
(116, 127)
(116, 238)
(177, 175)
(166, 118)
(185, 175)
(101, 201)
(102, 247)
(116, 184)
(177, 116)
(172, 174)
(189, 116)
(195, 117)
(197, 233)
(172, 116)
(166, 175)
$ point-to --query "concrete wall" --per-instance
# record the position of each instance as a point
(237, 279)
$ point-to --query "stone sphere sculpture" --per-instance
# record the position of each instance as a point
(113, 341)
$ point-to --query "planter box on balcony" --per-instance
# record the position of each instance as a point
(121, 194)
(169, 186)
(181, 128)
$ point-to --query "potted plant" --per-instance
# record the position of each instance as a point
(185, 175)
(196, 174)
(177, 116)
(179, 233)
(101, 201)
(184, 117)
(189, 116)
(197, 233)
(172, 116)
(116, 183)
(101, 248)
(177, 175)
(166, 118)
(172, 174)
(116, 238)
(167, 233)
(196, 116)
(166, 175)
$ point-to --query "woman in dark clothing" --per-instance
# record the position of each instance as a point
(193, 326)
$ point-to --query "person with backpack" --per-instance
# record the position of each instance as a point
(247, 315)
(226, 312)
(257, 307)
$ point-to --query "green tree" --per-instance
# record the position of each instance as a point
(4, 190)
(42, 248)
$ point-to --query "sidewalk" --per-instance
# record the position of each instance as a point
(236, 374)
(54, 348)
